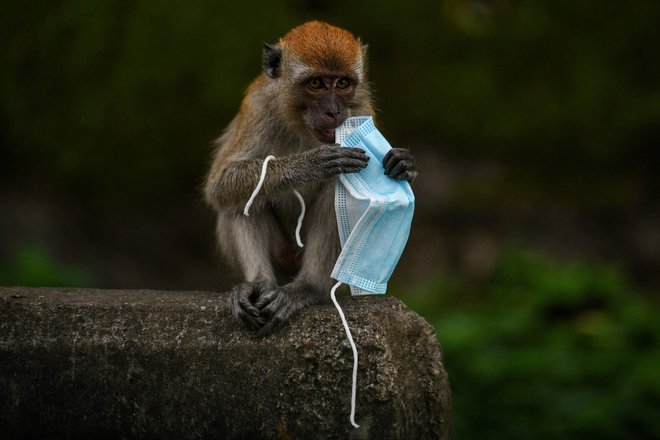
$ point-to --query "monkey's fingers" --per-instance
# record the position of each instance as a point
(389, 160)
(277, 315)
(341, 166)
(404, 174)
(275, 300)
(241, 298)
(356, 153)
(351, 160)
(348, 165)
(248, 319)
(397, 170)
(243, 307)
(396, 155)
(266, 298)
(400, 164)
(336, 152)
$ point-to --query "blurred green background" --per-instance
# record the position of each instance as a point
(535, 249)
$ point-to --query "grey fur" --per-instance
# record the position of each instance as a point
(279, 117)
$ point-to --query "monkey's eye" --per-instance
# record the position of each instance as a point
(315, 83)
(343, 83)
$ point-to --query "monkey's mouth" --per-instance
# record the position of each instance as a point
(326, 135)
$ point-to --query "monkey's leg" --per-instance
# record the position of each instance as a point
(312, 284)
(247, 242)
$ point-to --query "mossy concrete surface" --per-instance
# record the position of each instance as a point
(106, 364)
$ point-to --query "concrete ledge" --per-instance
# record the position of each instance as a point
(89, 363)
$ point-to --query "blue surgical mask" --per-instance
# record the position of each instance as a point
(374, 213)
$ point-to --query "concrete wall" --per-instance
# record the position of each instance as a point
(88, 363)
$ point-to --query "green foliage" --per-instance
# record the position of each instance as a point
(138, 88)
(33, 266)
(563, 93)
(548, 350)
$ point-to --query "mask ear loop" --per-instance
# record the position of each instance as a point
(262, 178)
(355, 353)
(300, 218)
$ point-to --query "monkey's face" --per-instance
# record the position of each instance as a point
(326, 102)
(319, 72)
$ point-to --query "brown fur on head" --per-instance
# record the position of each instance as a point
(324, 48)
(320, 70)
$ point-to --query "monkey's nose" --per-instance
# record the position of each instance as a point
(333, 113)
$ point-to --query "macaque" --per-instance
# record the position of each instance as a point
(313, 79)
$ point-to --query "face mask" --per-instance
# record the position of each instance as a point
(374, 213)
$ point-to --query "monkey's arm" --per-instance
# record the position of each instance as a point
(231, 182)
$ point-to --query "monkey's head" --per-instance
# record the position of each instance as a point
(319, 71)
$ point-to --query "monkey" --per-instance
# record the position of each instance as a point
(313, 79)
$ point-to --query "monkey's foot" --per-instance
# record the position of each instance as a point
(278, 305)
(243, 301)
(275, 308)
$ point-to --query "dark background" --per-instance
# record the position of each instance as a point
(535, 249)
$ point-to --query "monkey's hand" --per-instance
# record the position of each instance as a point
(400, 164)
(278, 305)
(329, 160)
(242, 303)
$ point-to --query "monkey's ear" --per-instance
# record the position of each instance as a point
(272, 60)
(364, 46)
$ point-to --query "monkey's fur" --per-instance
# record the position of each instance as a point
(313, 79)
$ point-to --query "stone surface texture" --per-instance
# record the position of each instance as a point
(107, 364)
